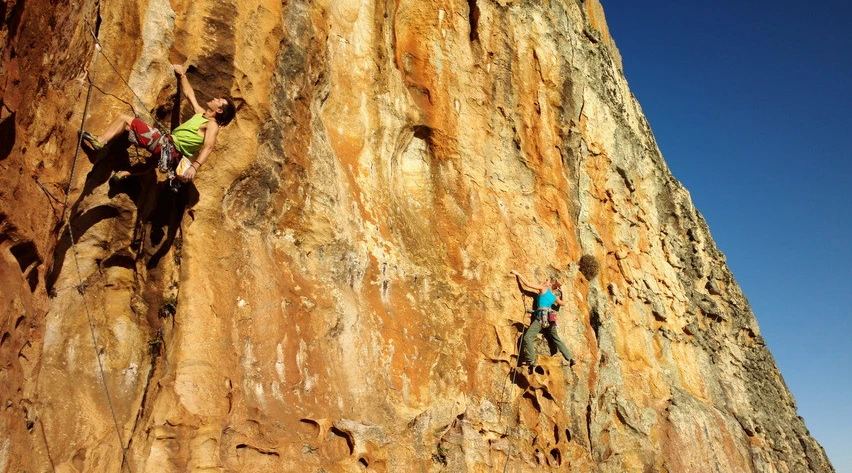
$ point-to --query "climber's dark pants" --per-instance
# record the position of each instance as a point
(553, 340)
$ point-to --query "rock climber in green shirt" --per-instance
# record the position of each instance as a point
(193, 138)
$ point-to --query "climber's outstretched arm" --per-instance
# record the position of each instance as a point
(187, 88)
(540, 288)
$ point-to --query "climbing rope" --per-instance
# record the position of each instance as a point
(99, 47)
(51, 198)
(514, 376)
(82, 287)
(80, 134)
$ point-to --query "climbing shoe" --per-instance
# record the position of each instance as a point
(91, 141)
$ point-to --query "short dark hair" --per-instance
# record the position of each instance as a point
(227, 114)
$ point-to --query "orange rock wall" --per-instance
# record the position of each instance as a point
(332, 293)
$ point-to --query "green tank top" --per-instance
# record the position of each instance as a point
(186, 137)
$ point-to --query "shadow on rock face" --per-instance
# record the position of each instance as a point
(159, 208)
(7, 136)
(165, 220)
(521, 381)
(79, 225)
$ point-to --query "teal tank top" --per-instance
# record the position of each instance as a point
(186, 137)
(546, 300)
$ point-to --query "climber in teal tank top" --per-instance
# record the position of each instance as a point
(545, 300)
(194, 139)
(543, 320)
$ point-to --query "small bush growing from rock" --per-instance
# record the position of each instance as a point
(169, 307)
(589, 266)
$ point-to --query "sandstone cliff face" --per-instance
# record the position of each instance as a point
(332, 294)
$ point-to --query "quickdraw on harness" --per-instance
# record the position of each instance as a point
(169, 159)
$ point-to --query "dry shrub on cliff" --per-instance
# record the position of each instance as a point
(589, 266)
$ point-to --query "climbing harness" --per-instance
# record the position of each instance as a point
(168, 163)
(545, 317)
(82, 287)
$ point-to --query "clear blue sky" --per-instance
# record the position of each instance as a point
(750, 103)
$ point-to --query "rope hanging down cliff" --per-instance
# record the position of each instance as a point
(503, 391)
(82, 286)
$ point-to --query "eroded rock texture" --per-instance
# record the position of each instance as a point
(333, 294)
